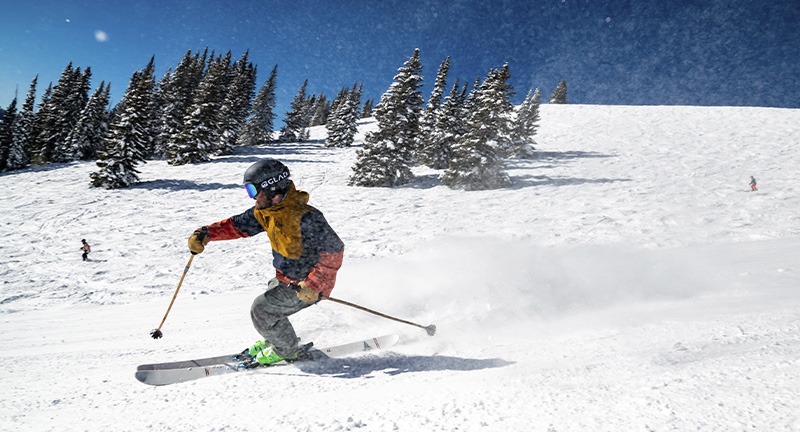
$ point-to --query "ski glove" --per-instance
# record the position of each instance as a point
(198, 241)
(305, 293)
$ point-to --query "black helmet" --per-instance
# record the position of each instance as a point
(267, 174)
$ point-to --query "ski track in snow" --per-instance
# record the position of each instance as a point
(628, 280)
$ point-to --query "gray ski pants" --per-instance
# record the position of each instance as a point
(269, 314)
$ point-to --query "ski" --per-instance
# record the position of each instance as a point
(158, 374)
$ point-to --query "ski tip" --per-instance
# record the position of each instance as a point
(143, 377)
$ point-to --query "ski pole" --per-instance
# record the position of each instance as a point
(430, 329)
(156, 334)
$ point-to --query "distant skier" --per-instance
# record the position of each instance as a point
(306, 254)
(753, 186)
(86, 249)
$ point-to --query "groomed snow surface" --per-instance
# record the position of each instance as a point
(627, 281)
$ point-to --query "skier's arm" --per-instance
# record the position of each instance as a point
(239, 226)
(242, 225)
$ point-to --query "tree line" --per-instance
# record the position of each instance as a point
(208, 104)
(469, 133)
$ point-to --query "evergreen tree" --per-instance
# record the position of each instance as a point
(477, 163)
(175, 92)
(127, 138)
(88, 134)
(560, 93)
(22, 141)
(430, 153)
(296, 124)
(366, 110)
(259, 125)
(308, 110)
(52, 117)
(320, 111)
(202, 124)
(7, 133)
(387, 155)
(525, 125)
(448, 127)
(343, 123)
(148, 110)
(502, 111)
(72, 97)
(236, 105)
(162, 96)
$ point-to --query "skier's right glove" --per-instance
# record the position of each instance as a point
(198, 241)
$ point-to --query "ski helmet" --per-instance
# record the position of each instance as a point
(267, 174)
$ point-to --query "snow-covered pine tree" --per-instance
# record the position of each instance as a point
(429, 152)
(201, 125)
(162, 97)
(259, 125)
(308, 110)
(476, 163)
(503, 111)
(366, 110)
(175, 92)
(7, 132)
(559, 95)
(127, 137)
(42, 125)
(387, 155)
(525, 125)
(320, 111)
(338, 100)
(19, 153)
(236, 105)
(87, 136)
(148, 115)
(334, 123)
(449, 126)
(74, 99)
(220, 87)
(53, 119)
(342, 124)
(295, 128)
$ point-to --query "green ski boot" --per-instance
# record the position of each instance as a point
(268, 356)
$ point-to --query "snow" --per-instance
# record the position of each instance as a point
(628, 280)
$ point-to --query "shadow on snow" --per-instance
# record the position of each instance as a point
(396, 364)
(175, 185)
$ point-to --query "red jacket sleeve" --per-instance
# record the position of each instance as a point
(224, 230)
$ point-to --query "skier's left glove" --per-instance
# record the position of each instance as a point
(305, 293)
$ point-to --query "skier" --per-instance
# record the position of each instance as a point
(306, 254)
(86, 249)
(753, 186)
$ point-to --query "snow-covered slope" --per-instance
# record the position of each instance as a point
(627, 281)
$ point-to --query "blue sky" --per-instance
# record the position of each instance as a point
(645, 52)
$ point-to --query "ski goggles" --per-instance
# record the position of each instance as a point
(252, 190)
(275, 189)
